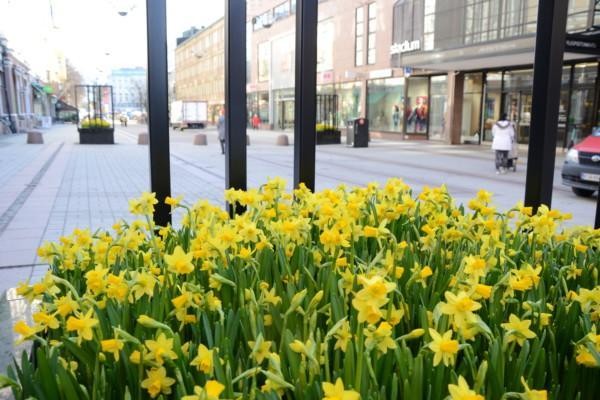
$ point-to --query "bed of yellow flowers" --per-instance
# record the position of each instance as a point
(352, 293)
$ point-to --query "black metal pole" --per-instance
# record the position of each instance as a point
(549, 49)
(597, 221)
(305, 106)
(235, 96)
(158, 108)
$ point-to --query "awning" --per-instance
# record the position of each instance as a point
(38, 89)
(517, 52)
(62, 106)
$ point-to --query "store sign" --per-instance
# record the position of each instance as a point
(380, 73)
(405, 47)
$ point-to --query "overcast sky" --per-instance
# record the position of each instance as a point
(91, 33)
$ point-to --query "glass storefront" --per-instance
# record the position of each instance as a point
(438, 105)
(258, 103)
(349, 101)
(493, 103)
(284, 109)
(581, 116)
(510, 92)
(385, 104)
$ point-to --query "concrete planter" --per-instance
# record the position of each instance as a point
(329, 136)
(96, 135)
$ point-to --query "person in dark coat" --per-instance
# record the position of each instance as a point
(221, 130)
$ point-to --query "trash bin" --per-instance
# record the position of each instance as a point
(361, 132)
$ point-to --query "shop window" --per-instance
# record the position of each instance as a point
(408, 20)
(438, 107)
(264, 61)
(385, 104)
(417, 105)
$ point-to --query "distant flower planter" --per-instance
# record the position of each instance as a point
(94, 103)
(327, 134)
(96, 135)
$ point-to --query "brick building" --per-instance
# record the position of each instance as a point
(199, 66)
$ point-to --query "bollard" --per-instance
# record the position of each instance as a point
(35, 137)
(143, 138)
(282, 140)
(200, 139)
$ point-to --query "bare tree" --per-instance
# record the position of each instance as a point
(141, 93)
(65, 90)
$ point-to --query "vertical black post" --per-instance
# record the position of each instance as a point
(597, 221)
(235, 95)
(549, 49)
(158, 108)
(305, 106)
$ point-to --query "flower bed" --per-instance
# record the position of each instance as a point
(346, 293)
(96, 131)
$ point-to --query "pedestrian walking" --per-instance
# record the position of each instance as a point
(255, 121)
(503, 133)
(221, 130)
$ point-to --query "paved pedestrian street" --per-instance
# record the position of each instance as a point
(48, 190)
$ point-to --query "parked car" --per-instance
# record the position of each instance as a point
(581, 170)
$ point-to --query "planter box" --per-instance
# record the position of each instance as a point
(330, 136)
(96, 135)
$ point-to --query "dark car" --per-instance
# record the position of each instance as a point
(581, 170)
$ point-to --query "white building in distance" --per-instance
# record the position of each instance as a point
(129, 89)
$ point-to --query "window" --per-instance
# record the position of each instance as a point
(429, 25)
(264, 61)
(281, 11)
(371, 38)
(408, 20)
(359, 33)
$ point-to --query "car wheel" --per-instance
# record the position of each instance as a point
(582, 192)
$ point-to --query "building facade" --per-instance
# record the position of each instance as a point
(24, 101)
(130, 91)
(472, 61)
(352, 46)
(199, 67)
(429, 69)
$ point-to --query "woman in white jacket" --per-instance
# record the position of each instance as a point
(503, 132)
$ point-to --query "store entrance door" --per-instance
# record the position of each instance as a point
(518, 107)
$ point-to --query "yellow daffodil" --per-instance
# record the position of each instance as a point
(336, 391)
(517, 330)
(533, 394)
(157, 382)
(343, 336)
(113, 346)
(204, 360)
(180, 262)
(460, 307)
(380, 338)
(24, 330)
(83, 324)
(260, 349)
(160, 349)
(444, 347)
(462, 391)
